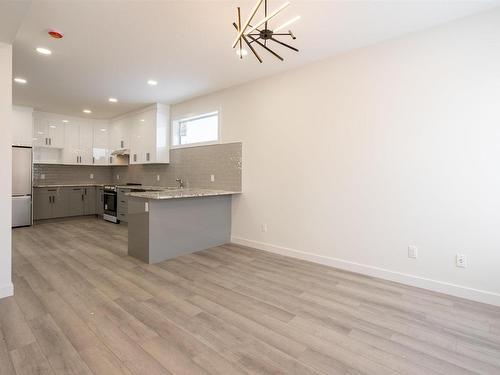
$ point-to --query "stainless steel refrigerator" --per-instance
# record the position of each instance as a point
(22, 186)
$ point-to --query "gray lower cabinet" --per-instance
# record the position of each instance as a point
(50, 203)
(122, 204)
(76, 199)
(89, 201)
(99, 203)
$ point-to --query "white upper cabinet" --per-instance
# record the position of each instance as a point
(86, 140)
(71, 151)
(61, 139)
(48, 131)
(77, 149)
(101, 142)
(149, 135)
(119, 137)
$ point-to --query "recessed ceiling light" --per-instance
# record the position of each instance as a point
(142, 120)
(20, 80)
(87, 111)
(52, 126)
(103, 129)
(113, 100)
(44, 51)
(152, 82)
(65, 121)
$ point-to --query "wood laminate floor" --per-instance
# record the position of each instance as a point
(83, 307)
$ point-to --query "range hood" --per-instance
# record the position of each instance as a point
(121, 151)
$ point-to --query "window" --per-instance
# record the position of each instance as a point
(196, 130)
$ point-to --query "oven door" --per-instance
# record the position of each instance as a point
(110, 201)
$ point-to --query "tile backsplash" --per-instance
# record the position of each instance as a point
(52, 174)
(195, 165)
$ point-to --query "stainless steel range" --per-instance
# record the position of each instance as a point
(110, 204)
(111, 200)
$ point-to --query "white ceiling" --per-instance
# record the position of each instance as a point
(111, 48)
(12, 13)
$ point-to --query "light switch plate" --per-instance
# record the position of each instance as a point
(412, 252)
(461, 261)
(117, 176)
(146, 206)
(42, 176)
(212, 178)
(157, 177)
(91, 176)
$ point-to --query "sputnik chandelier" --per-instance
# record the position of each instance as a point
(259, 33)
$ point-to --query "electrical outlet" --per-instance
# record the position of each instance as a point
(91, 176)
(212, 178)
(157, 177)
(412, 252)
(263, 228)
(117, 176)
(42, 176)
(461, 261)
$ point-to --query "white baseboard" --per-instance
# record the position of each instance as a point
(6, 290)
(403, 278)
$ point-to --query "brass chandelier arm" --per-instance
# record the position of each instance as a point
(267, 18)
(284, 44)
(249, 45)
(258, 32)
(266, 48)
(252, 15)
(239, 28)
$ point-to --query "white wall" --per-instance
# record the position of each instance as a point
(22, 126)
(6, 288)
(350, 160)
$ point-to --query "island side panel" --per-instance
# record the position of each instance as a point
(183, 226)
(138, 229)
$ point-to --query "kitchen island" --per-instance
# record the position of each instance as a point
(172, 222)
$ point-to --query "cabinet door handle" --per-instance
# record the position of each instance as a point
(122, 144)
(46, 142)
(50, 199)
(83, 198)
(110, 160)
(135, 157)
(93, 160)
(53, 199)
(147, 156)
(50, 141)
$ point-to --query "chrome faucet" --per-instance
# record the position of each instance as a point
(180, 182)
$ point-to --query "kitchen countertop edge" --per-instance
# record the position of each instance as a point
(179, 194)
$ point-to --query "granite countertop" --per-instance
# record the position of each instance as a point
(100, 185)
(181, 193)
(145, 187)
(66, 185)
